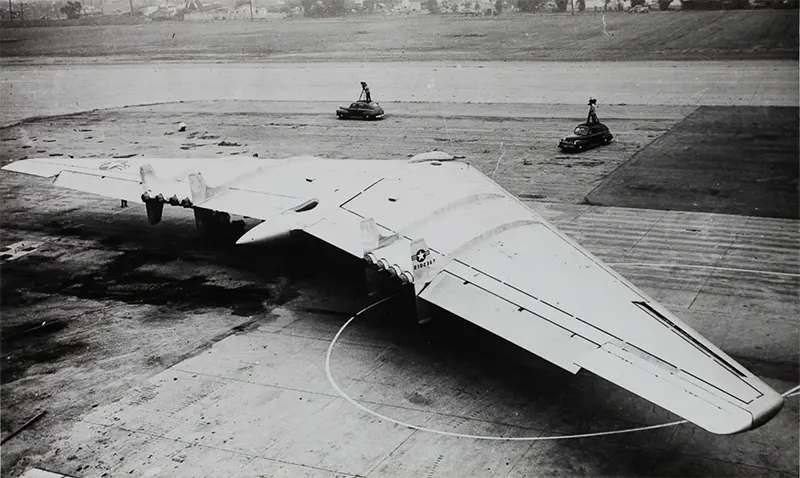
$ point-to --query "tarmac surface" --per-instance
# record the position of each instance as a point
(46, 89)
(710, 143)
(168, 356)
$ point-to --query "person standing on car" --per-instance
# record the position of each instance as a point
(592, 118)
(365, 91)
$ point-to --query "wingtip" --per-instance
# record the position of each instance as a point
(769, 407)
(758, 413)
(35, 167)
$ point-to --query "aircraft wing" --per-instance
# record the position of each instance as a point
(472, 248)
(476, 251)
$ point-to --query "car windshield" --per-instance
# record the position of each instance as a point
(581, 130)
(355, 105)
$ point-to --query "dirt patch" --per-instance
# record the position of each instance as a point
(419, 399)
(731, 160)
(101, 306)
(31, 343)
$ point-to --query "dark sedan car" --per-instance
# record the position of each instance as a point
(586, 136)
(360, 109)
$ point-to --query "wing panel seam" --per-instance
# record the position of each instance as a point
(520, 308)
(538, 299)
(696, 343)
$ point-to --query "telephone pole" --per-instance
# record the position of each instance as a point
(251, 10)
(10, 12)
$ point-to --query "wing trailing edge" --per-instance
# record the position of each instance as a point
(679, 392)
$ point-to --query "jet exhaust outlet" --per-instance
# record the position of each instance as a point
(155, 210)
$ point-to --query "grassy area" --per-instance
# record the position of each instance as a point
(519, 37)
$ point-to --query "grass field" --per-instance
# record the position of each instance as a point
(582, 37)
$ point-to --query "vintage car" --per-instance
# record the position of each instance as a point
(360, 109)
(586, 136)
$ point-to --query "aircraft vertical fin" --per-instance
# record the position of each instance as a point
(369, 235)
(198, 187)
(148, 175)
(425, 264)
(201, 192)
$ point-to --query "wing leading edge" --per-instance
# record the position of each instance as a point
(471, 248)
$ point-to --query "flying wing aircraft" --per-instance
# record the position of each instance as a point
(464, 244)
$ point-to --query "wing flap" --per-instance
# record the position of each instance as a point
(112, 187)
(524, 299)
(677, 392)
(511, 322)
(249, 203)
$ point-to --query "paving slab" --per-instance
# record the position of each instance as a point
(343, 440)
(585, 458)
(428, 454)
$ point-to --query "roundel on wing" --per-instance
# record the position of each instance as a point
(421, 255)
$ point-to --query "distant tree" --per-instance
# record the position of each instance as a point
(530, 5)
(433, 6)
(637, 2)
(605, 4)
(336, 8)
(562, 5)
(318, 9)
(323, 8)
(72, 9)
(581, 5)
(498, 7)
(664, 4)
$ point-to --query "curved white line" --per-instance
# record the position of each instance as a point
(698, 266)
(789, 393)
(459, 435)
(792, 392)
